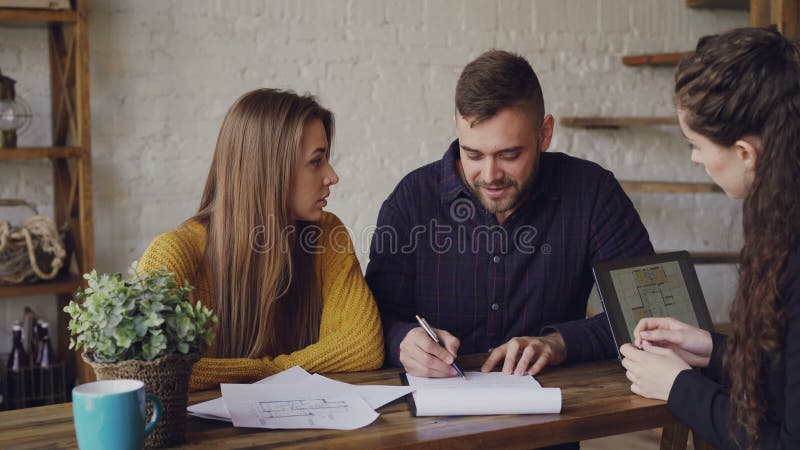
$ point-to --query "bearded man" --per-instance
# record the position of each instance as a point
(494, 244)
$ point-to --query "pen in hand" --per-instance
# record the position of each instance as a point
(424, 324)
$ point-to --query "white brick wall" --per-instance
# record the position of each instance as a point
(164, 72)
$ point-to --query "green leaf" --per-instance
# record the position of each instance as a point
(142, 317)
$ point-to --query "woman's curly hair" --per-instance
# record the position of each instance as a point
(746, 82)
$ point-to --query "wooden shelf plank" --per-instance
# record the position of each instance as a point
(724, 328)
(742, 5)
(709, 258)
(61, 285)
(40, 152)
(670, 187)
(36, 17)
(616, 122)
(654, 59)
(714, 257)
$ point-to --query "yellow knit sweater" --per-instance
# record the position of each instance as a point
(350, 335)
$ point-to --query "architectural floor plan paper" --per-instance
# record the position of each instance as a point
(215, 409)
(374, 395)
(279, 406)
(483, 394)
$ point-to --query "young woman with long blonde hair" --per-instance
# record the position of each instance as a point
(280, 273)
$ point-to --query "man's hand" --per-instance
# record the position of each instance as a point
(527, 354)
(422, 357)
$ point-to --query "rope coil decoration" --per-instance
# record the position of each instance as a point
(34, 251)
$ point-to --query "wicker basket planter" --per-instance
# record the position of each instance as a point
(168, 378)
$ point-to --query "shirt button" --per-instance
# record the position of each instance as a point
(495, 306)
(496, 259)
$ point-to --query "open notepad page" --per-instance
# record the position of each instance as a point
(483, 394)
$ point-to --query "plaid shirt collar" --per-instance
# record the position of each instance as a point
(452, 186)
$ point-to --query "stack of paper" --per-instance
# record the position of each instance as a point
(483, 394)
(296, 399)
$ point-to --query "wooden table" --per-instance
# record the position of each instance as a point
(597, 402)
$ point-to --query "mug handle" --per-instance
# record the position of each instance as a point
(156, 413)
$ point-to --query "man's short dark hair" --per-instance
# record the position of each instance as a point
(496, 80)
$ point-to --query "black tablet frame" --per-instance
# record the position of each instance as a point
(608, 295)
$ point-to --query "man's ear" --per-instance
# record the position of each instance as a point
(546, 132)
(747, 149)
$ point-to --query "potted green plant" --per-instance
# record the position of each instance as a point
(145, 328)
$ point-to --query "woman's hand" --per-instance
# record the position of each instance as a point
(652, 371)
(692, 344)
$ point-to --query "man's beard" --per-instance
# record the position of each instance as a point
(499, 205)
(510, 202)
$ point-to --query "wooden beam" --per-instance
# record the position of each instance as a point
(84, 169)
(760, 13)
(674, 437)
(742, 5)
(62, 79)
(40, 152)
(61, 184)
(669, 187)
(655, 59)
(785, 16)
(616, 122)
(37, 17)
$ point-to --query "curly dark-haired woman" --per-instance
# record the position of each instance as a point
(738, 100)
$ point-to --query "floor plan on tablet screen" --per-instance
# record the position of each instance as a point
(653, 291)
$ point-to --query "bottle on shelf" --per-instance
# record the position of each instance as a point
(29, 333)
(44, 379)
(17, 369)
(18, 358)
(45, 357)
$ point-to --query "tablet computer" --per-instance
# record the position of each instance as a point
(663, 285)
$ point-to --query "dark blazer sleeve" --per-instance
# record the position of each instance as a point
(617, 232)
(705, 406)
(714, 369)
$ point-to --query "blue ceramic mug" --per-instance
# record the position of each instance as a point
(111, 414)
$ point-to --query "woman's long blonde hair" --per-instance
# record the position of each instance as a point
(266, 288)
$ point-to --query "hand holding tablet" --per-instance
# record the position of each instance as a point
(655, 288)
(692, 344)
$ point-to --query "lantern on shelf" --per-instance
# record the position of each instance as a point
(15, 114)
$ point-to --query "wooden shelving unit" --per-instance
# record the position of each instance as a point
(70, 156)
(613, 123)
(663, 187)
(654, 59)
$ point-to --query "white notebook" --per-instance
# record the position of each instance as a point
(483, 394)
